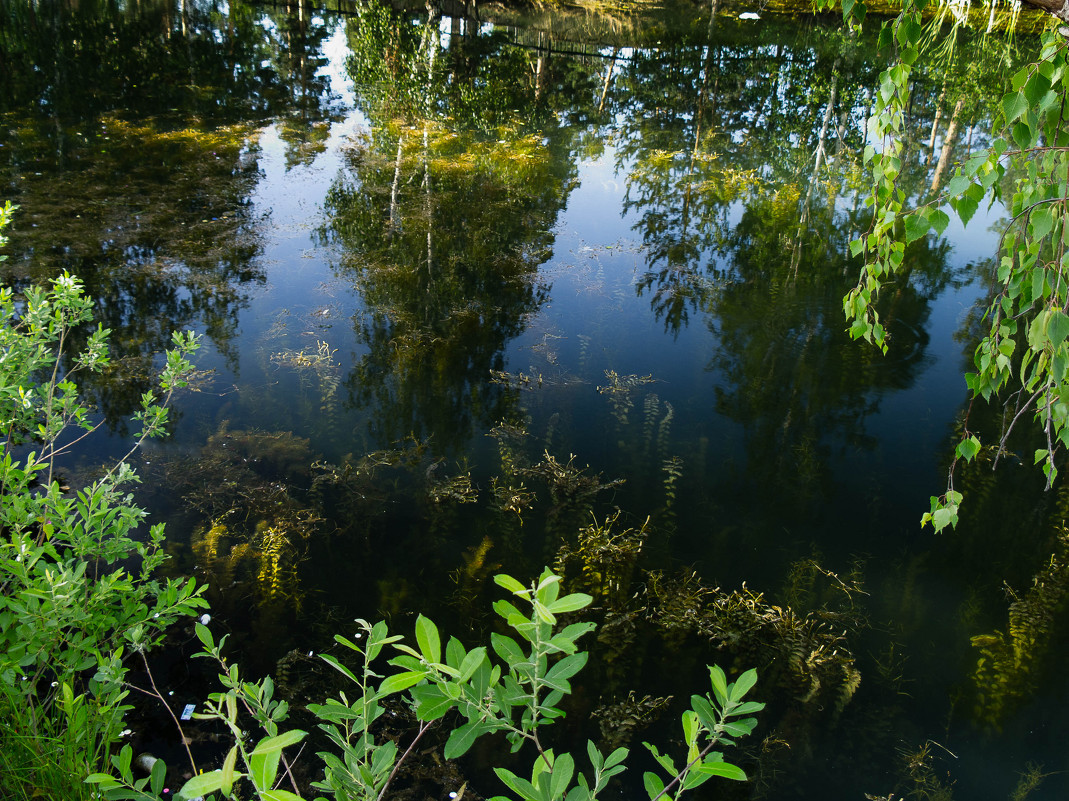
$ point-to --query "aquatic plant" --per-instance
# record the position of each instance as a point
(515, 499)
(602, 561)
(571, 493)
(806, 656)
(247, 496)
(518, 380)
(567, 483)
(620, 390)
(509, 437)
(672, 467)
(620, 721)
(1008, 667)
(471, 577)
(320, 363)
(246, 470)
(457, 489)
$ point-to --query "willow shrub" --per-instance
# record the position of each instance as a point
(79, 595)
(78, 592)
(513, 689)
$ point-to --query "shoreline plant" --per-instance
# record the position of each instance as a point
(517, 695)
(1022, 358)
(79, 591)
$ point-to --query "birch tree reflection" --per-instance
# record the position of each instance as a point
(742, 159)
(800, 392)
(717, 122)
(444, 215)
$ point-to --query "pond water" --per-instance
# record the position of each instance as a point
(560, 288)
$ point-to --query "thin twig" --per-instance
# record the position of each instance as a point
(289, 769)
(686, 770)
(1006, 436)
(145, 434)
(1050, 443)
(54, 452)
(156, 692)
(397, 765)
(52, 387)
(285, 762)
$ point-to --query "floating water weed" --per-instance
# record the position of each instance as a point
(602, 561)
(457, 489)
(319, 362)
(620, 391)
(571, 492)
(808, 656)
(518, 380)
(511, 498)
(620, 721)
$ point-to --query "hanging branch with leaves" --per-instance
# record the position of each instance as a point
(1023, 355)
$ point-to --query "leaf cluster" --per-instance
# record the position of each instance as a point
(1023, 355)
(75, 573)
(518, 694)
(518, 697)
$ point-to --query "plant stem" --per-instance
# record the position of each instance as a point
(686, 770)
(156, 692)
(424, 726)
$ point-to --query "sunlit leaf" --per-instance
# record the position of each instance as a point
(509, 583)
(1057, 327)
(653, 783)
(720, 684)
(428, 639)
(400, 681)
(725, 770)
(570, 603)
(201, 785)
(279, 742)
(743, 685)
(1014, 105)
(461, 739)
(968, 448)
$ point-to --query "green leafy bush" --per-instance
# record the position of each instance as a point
(78, 593)
(518, 695)
(1023, 349)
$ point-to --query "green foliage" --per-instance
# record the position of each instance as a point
(807, 655)
(518, 697)
(518, 694)
(5, 217)
(73, 578)
(1008, 665)
(1023, 353)
(260, 759)
(884, 250)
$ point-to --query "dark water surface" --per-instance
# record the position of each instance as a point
(558, 288)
